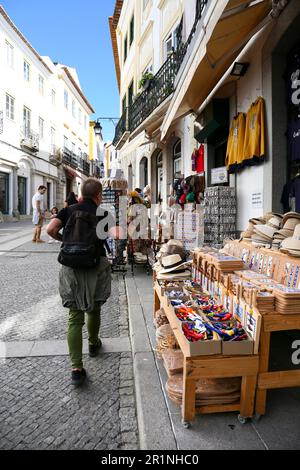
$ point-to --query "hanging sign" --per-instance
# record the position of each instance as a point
(219, 175)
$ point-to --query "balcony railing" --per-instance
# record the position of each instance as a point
(69, 158)
(162, 85)
(158, 91)
(29, 139)
(84, 167)
(122, 127)
(181, 46)
(55, 156)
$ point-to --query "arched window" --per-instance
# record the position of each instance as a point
(177, 159)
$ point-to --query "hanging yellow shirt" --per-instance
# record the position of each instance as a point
(235, 146)
(254, 146)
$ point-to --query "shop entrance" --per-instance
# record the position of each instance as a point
(22, 195)
(69, 186)
(4, 193)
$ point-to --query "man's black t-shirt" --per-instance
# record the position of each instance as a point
(86, 206)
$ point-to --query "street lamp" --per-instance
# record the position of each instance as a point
(98, 129)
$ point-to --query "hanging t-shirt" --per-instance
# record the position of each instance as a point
(294, 139)
(235, 146)
(200, 160)
(254, 145)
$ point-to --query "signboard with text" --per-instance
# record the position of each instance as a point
(219, 175)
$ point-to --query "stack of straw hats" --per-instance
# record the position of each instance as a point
(291, 245)
(289, 222)
(264, 233)
(247, 234)
(171, 261)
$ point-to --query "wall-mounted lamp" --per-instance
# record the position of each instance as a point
(239, 69)
(98, 129)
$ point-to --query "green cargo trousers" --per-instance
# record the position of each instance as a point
(76, 322)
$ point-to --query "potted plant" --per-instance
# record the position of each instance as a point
(146, 79)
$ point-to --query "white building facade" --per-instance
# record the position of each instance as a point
(146, 35)
(35, 125)
(164, 125)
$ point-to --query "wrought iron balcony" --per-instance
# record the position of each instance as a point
(84, 167)
(162, 85)
(157, 92)
(29, 139)
(55, 156)
(182, 47)
(69, 158)
(122, 129)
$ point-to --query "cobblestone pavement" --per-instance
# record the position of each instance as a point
(30, 307)
(39, 408)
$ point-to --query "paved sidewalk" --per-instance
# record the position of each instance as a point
(39, 408)
(160, 419)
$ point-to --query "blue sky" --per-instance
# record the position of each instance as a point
(75, 33)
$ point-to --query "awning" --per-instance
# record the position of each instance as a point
(71, 172)
(207, 131)
(213, 53)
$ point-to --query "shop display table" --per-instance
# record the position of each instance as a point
(279, 379)
(215, 366)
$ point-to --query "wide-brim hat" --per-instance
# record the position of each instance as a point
(265, 230)
(257, 220)
(290, 215)
(173, 263)
(184, 274)
(293, 243)
(275, 222)
(270, 215)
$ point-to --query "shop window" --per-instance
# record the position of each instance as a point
(177, 160)
(22, 195)
(143, 172)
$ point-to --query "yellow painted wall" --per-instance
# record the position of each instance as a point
(92, 141)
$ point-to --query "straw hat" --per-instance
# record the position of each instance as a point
(290, 215)
(292, 243)
(265, 231)
(270, 215)
(275, 222)
(289, 227)
(258, 220)
(172, 263)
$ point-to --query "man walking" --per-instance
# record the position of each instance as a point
(39, 209)
(82, 289)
